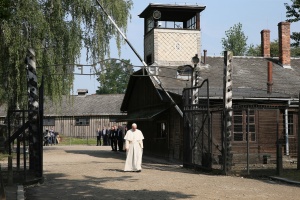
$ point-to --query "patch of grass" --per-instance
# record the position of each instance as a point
(64, 140)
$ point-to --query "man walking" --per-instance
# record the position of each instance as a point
(105, 136)
(51, 136)
(98, 134)
(120, 138)
(113, 139)
(134, 149)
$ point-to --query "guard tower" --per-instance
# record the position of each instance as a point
(171, 33)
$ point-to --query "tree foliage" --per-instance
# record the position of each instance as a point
(57, 30)
(235, 40)
(293, 15)
(253, 50)
(274, 50)
(114, 77)
(256, 50)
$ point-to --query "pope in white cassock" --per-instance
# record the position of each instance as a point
(134, 149)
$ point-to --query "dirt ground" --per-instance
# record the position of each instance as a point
(93, 172)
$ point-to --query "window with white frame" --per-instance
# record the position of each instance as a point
(82, 121)
(240, 126)
(49, 121)
(290, 123)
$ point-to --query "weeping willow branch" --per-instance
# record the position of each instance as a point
(57, 30)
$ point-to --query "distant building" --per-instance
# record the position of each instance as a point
(80, 115)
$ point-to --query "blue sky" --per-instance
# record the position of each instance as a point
(219, 16)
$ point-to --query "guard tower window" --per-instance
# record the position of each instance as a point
(170, 24)
(192, 23)
(172, 16)
(150, 24)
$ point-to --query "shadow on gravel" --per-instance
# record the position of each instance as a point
(163, 165)
(58, 186)
(148, 162)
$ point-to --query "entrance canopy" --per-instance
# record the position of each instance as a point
(142, 115)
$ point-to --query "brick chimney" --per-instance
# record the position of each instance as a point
(284, 44)
(204, 56)
(265, 43)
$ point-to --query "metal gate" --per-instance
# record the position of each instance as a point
(197, 127)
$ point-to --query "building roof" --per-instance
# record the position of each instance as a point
(81, 105)
(249, 78)
(85, 105)
(172, 12)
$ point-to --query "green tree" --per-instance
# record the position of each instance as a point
(253, 50)
(114, 77)
(274, 50)
(293, 15)
(57, 30)
(295, 51)
(256, 50)
(235, 40)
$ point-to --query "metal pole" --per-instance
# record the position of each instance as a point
(209, 127)
(286, 131)
(8, 129)
(24, 146)
(140, 58)
(18, 153)
(298, 153)
(247, 136)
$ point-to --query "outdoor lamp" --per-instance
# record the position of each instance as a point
(195, 60)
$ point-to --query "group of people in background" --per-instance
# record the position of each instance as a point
(51, 137)
(113, 137)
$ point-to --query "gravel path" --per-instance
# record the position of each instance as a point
(93, 172)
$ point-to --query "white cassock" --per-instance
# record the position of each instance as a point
(134, 144)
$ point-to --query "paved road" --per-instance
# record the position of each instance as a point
(93, 172)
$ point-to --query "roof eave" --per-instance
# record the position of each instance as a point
(192, 8)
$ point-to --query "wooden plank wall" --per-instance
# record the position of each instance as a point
(267, 131)
(175, 135)
(216, 131)
(66, 126)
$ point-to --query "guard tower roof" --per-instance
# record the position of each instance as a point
(172, 12)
